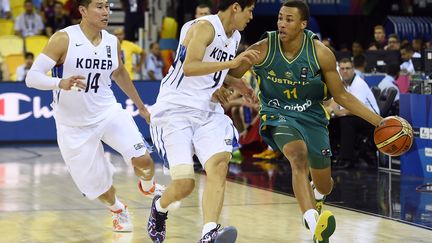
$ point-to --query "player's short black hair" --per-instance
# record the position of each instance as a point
(301, 6)
(224, 4)
(84, 3)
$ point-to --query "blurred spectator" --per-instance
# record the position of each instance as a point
(393, 43)
(389, 81)
(351, 125)
(58, 20)
(29, 23)
(71, 9)
(4, 73)
(128, 50)
(373, 47)
(359, 62)
(417, 44)
(202, 10)
(47, 9)
(153, 63)
(5, 11)
(407, 66)
(328, 42)
(379, 37)
(134, 17)
(21, 71)
(357, 48)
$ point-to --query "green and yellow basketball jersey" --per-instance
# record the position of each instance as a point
(291, 88)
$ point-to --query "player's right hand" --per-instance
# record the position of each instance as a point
(221, 95)
(250, 57)
(73, 83)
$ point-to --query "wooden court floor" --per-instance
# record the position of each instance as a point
(40, 203)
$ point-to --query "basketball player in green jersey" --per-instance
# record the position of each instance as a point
(296, 73)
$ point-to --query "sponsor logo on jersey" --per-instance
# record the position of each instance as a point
(297, 107)
(272, 73)
(108, 49)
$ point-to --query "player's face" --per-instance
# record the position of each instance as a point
(243, 16)
(289, 23)
(346, 71)
(97, 13)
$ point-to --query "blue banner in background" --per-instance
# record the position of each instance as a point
(417, 110)
(316, 7)
(26, 114)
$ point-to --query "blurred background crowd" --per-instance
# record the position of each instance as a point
(383, 49)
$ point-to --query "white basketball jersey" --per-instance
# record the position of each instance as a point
(96, 64)
(196, 91)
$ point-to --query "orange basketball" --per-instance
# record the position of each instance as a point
(393, 136)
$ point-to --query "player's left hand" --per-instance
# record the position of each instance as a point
(145, 114)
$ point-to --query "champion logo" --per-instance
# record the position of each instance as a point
(13, 107)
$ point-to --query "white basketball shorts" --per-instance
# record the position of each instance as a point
(178, 135)
(83, 153)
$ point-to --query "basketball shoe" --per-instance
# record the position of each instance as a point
(156, 226)
(217, 235)
(326, 225)
(156, 189)
(319, 203)
(121, 220)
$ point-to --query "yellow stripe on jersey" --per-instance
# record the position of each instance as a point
(314, 54)
(268, 53)
(307, 57)
(298, 54)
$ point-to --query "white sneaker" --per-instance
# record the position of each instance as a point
(122, 221)
(156, 189)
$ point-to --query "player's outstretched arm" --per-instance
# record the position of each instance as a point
(199, 36)
(122, 78)
(53, 54)
(327, 62)
(259, 50)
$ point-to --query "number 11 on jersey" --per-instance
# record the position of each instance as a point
(291, 93)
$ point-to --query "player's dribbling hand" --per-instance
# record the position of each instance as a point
(73, 83)
(145, 114)
(249, 56)
(245, 89)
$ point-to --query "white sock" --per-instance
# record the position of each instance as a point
(318, 195)
(207, 227)
(147, 185)
(159, 208)
(117, 205)
(311, 217)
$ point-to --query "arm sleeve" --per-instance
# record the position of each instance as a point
(37, 78)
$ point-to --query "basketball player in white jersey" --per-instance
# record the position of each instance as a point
(185, 120)
(84, 59)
